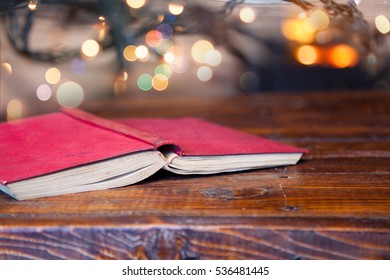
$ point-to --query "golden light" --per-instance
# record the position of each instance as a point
(204, 73)
(70, 94)
(136, 4)
(294, 30)
(141, 52)
(102, 18)
(176, 8)
(200, 49)
(32, 5)
(382, 24)
(14, 109)
(342, 56)
(53, 75)
(129, 53)
(160, 82)
(90, 48)
(307, 55)
(154, 38)
(317, 21)
(7, 67)
(43, 92)
(247, 15)
(120, 83)
(213, 58)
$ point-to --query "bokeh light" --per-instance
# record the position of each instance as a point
(53, 75)
(153, 38)
(90, 49)
(78, 66)
(44, 92)
(204, 73)
(247, 15)
(129, 53)
(249, 81)
(342, 56)
(70, 94)
(160, 82)
(141, 52)
(294, 30)
(382, 24)
(136, 4)
(176, 8)
(213, 58)
(164, 69)
(144, 82)
(307, 55)
(14, 109)
(166, 31)
(163, 48)
(7, 67)
(33, 4)
(200, 49)
(180, 64)
(317, 21)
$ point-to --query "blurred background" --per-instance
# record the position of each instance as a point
(67, 53)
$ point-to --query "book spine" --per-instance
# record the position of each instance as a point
(140, 135)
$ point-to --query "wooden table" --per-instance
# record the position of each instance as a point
(334, 204)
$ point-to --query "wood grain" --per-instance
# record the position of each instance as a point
(334, 204)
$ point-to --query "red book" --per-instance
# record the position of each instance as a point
(73, 151)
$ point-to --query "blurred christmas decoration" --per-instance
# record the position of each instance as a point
(325, 35)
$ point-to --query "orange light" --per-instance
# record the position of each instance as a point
(294, 30)
(342, 56)
(154, 38)
(307, 55)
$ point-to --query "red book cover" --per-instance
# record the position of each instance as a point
(198, 137)
(57, 141)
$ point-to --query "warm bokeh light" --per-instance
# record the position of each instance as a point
(342, 56)
(14, 109)
(176, 8)
(32, 5)
(164, 47)
(160, 82)
(53, 75)
(70, 94)
(307, 55)
(317, 21)
(90, 48)
(120, 83)
(129, 53)
(154, 38)
(204, 73)
(7, 67)
(200, 49)
(382, 24)
(247, 15)
(136, 4)
(294, 30)
(44, 92)
(144, 82)
(169, 57)
(141, 52)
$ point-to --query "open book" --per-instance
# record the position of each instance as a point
(73, 151)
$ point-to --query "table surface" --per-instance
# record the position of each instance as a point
(334, 204)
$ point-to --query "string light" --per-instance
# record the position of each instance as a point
(32, 5)
(141, 52)
(129, 53)
(200, 49)
(204, 73)
(307, 55)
